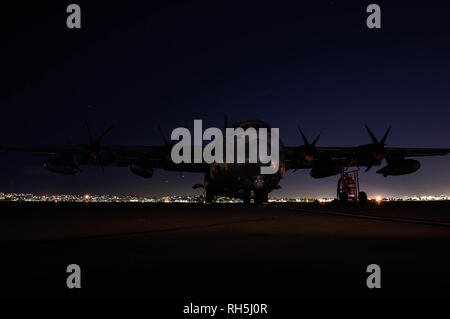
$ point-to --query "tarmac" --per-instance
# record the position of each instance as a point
(225, 252)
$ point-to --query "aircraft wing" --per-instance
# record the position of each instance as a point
(124, 155)
(132, 151)
(294, 155)
(50, 150)
(413, 152)
(159, 156)
(348, 152)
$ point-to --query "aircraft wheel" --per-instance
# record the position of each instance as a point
(362, 198)
(260, 198)
(247, 198)
(343, 197)
(209, 197)
(257, 199)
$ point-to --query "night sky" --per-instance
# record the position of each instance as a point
(315, 64)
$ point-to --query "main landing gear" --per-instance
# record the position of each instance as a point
(348, 188)
(209, 197)
(258, 197)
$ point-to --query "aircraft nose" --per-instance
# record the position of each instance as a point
(258, 183)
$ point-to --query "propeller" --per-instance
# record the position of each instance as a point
(106, 132)
(94, 145)
(378, 146)
(89, 131)
(309, 148)
(168, 145)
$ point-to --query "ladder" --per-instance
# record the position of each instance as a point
(348, 183)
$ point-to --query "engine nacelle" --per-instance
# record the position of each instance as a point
(141, 168)
(402, 167)
(62, 166)
(106, 157)
(326, 169)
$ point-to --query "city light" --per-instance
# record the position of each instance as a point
(199, 198)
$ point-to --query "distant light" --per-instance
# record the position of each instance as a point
(87, 196)
(378, 199)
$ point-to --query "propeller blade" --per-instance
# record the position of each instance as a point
(317, 138)
(106, 131)
(162, 135)
(89, 130)
(383, 140)
(374, 139)
(369, 167)
(305, 140)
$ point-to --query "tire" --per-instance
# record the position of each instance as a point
(343, 197)
(209, 197)
(259, 198)
(362, 198)
(247, 198)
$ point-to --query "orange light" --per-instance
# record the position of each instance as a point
(87, 196)
(378, 199)
(282, 170)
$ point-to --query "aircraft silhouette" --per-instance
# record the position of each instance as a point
(240, 180)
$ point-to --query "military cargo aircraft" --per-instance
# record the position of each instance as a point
(240, 180)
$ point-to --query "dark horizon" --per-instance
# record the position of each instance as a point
(134, 65)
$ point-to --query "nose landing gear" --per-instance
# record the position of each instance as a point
(258, 197)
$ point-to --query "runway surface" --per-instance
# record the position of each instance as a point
(227, 253)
